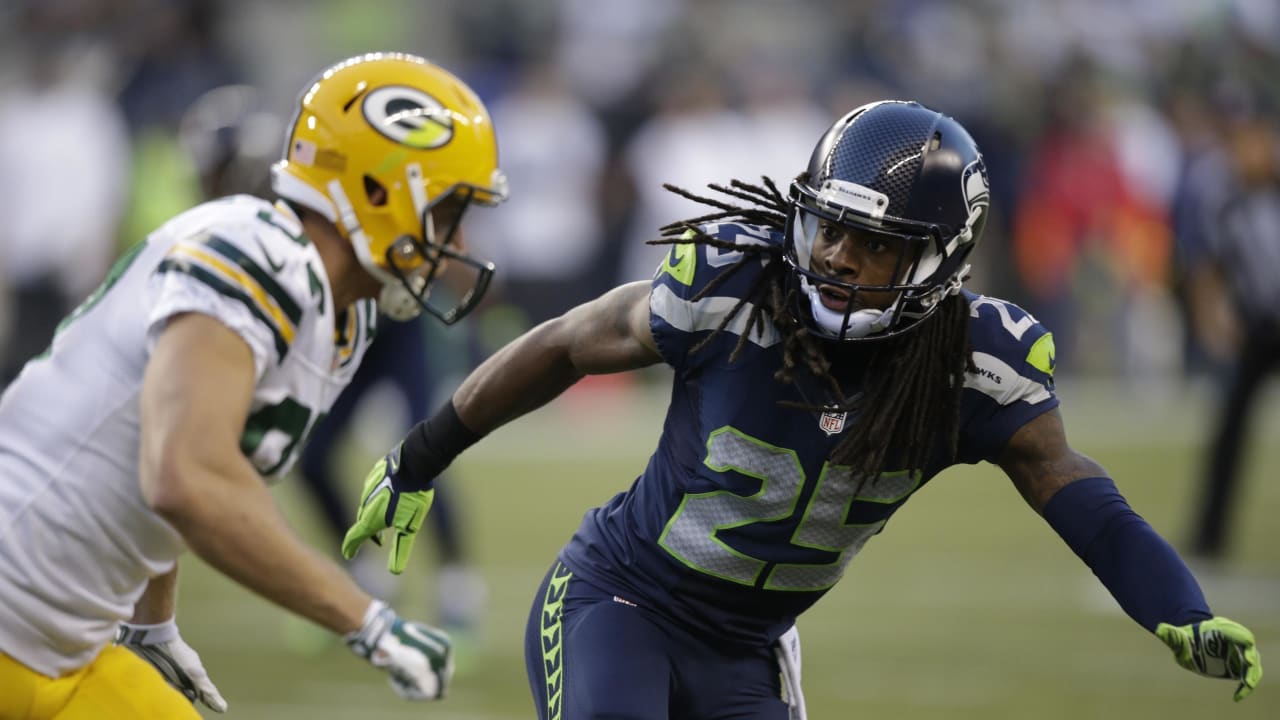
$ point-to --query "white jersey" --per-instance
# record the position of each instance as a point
(77, 541)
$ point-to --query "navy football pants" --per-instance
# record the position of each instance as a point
(593, 655)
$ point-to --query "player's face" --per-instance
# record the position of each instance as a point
(858, 257)
(410, 257)
(446, 216)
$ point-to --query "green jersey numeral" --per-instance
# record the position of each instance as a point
(288, 419)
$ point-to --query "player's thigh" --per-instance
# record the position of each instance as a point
(122, 686)
(27, 693)
(591, 655)
(115, 686)
(719, 683)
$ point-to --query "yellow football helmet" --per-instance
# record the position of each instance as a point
(378, 142)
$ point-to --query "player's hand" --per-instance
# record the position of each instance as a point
(418, 657)
(163, 647)
(1217, 648)
(384, 505)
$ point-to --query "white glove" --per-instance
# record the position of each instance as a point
(787, 651)
(418, 657)
(164, 648)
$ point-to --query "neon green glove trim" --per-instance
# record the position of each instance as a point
(1219, 648)
(382, 508)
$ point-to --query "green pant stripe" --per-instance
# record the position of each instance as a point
(231, 291)
(553, 637)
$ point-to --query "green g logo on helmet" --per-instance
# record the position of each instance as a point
(408, 116)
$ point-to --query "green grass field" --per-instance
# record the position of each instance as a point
(967, 607)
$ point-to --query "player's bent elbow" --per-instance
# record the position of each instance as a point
(169, 486)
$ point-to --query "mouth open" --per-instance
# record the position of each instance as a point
(834, 298)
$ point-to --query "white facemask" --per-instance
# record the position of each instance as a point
(860, 323)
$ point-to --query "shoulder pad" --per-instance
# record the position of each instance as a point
(693, 265)
(679, 309)
(243, 248)
(1013, 352)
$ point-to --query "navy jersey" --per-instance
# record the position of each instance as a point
(739, 522)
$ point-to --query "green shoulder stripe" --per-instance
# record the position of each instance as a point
(270, 219)
(268, 283)
(231, 291)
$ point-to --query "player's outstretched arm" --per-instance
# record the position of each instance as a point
(196, 395)
(195, 398)
(1142, 571)
(607, 335)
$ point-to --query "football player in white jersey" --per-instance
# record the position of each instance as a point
(197, 370)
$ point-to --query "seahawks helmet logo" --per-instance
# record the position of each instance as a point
(409, 116)
(974, 183)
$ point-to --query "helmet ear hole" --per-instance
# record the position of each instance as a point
(374, 192)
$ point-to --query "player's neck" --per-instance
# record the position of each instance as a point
(348, 280)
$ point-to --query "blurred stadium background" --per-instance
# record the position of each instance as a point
(1111, 127)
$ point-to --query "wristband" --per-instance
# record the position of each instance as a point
(430, 446)
(132, 634)
(377, 618)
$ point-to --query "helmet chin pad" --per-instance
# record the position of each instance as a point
(398, 303)
(845, 326)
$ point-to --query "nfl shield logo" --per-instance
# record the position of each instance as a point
(832, 422)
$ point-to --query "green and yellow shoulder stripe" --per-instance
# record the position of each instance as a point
(220, 264)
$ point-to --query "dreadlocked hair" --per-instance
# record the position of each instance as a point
(913, 381)
(911, 394)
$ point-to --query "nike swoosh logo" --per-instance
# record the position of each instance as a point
(271, 263)
(386, 483)
(681, 270)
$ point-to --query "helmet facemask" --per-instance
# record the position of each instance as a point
(417, 264)
(904, 192)
(926, 266)
(393, 150)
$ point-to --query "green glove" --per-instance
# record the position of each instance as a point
(1217, 648)
(383, 507)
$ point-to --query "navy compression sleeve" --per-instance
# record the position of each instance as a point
(1142, 572)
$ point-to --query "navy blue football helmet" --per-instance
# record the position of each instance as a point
(232, 139)
(905, 173)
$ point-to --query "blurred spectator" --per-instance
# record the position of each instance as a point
(1087, 239)
(1244, 249)
(64, 155)
(546, 239)
(1203, 182)
(690, 141)
(780, 117)
(1086, 174)
(174, 55)
(608, 48)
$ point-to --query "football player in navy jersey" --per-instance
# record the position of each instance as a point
(827, 364)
